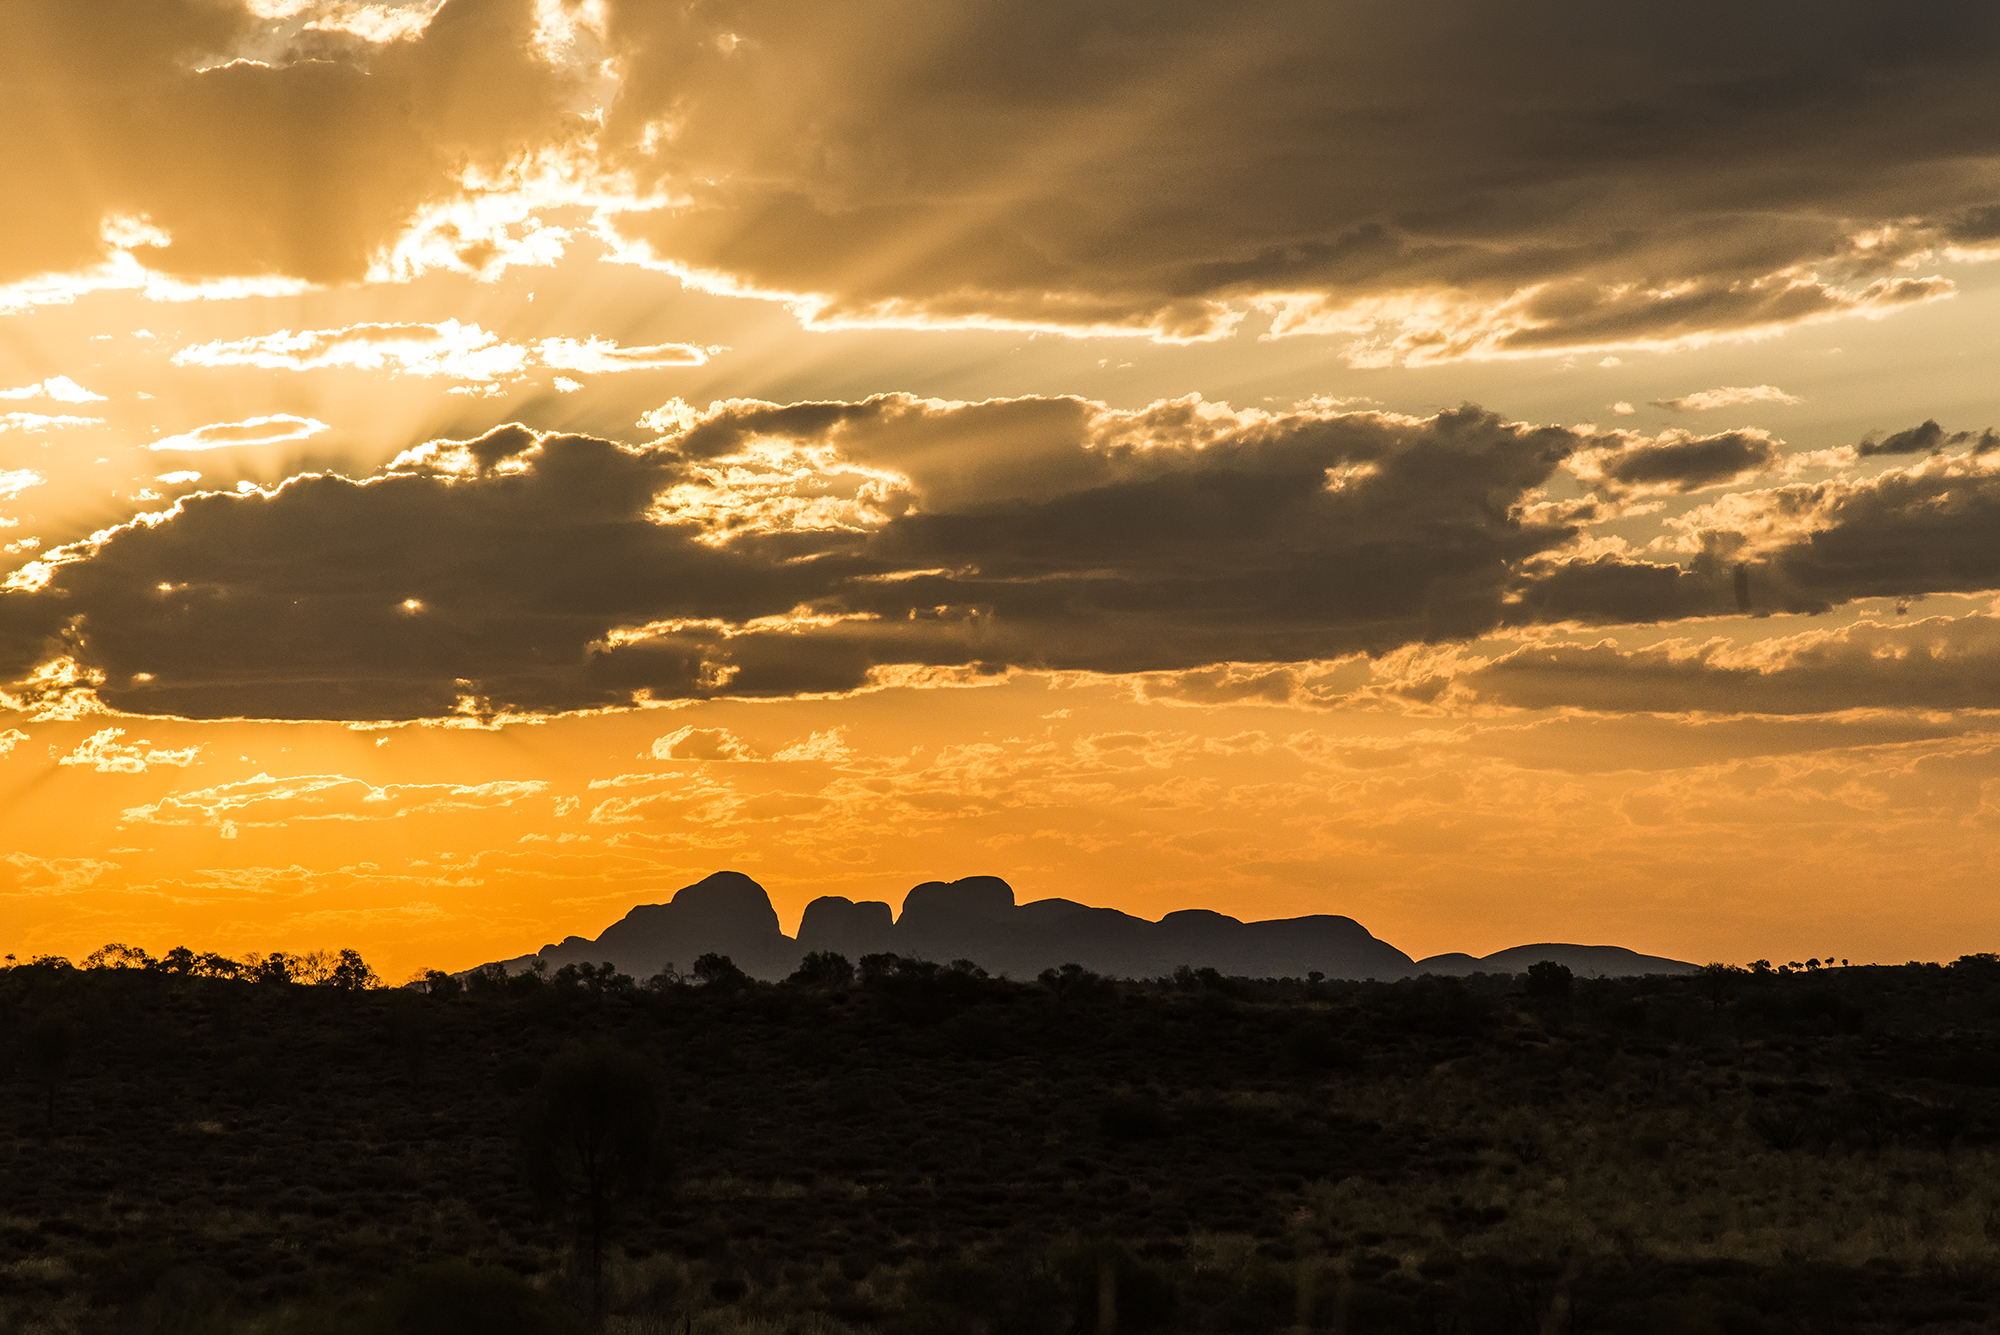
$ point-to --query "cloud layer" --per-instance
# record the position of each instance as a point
(447, 348)
(1934, 664)
(761, 550)
(1470, 179)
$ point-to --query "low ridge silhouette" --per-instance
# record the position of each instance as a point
(977, 919)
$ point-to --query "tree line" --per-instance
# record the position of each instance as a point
(344, 969)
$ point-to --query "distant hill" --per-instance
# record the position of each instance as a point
(977, 919)
(1583, 961)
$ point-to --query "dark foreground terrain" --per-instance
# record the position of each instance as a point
(924, 1149)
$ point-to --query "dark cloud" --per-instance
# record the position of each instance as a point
(1676, 463)
(1927, 438)
(1429, 181)
(1935, 664)
(1797, 549)
(577, 573)
(1549, 174)
(306, 162)
(777, 551)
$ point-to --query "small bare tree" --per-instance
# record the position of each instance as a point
(592, 1139)
(51, 1045)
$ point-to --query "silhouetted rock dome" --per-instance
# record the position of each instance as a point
(976, 918)
(971, 897)
(838, 924)
(727, 899)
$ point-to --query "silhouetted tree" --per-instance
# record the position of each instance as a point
(437, 985)
(718, 971)
(1549, 981)
(1717, 982)
(117, 955)
(351, 973)
(276, 967)
(212, 965)
(1112, 1291)
(823, 968)
(878, 966)
(1070, 983)
(488, 980)
(51, 1044)
(459, 1299)
(592, 1137)
(596, 979)
(1205, 979)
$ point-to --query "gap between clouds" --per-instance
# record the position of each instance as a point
(446, 348)
(263, 801)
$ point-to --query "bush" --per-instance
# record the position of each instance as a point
(1317, 1047)
(958, 1295)
(1132, 1117)
(1110, 1289)
(591, 1140)
(460, 1299)
(1549, 980)
(823, 968)
(719, 971)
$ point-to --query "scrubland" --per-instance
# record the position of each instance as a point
(925, 1149)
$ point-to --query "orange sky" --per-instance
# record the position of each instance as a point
(1501, 477)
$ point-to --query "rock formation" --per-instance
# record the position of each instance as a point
(977, 919)
(1583, 961)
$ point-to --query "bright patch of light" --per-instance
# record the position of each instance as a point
(602, 356)
(777, 486)
(448, 348)
(58, 387)
(561, 27)
(492, 223)
(104, 753)
(1733, 396)
(123, 272)
(125, 231)
(13, 483)
(670, 418)
(1347, 475)
(43, 422)
(30, 577)
(379, 23)
(269, 430)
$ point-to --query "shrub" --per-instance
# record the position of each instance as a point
(823, 968)
(719, 971)
(592, 1136)
(461, 1299)
(119, 956)
(351, 973)
(1132, 1117)
(1549, 980)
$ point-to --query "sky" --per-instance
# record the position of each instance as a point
(1501, 472)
